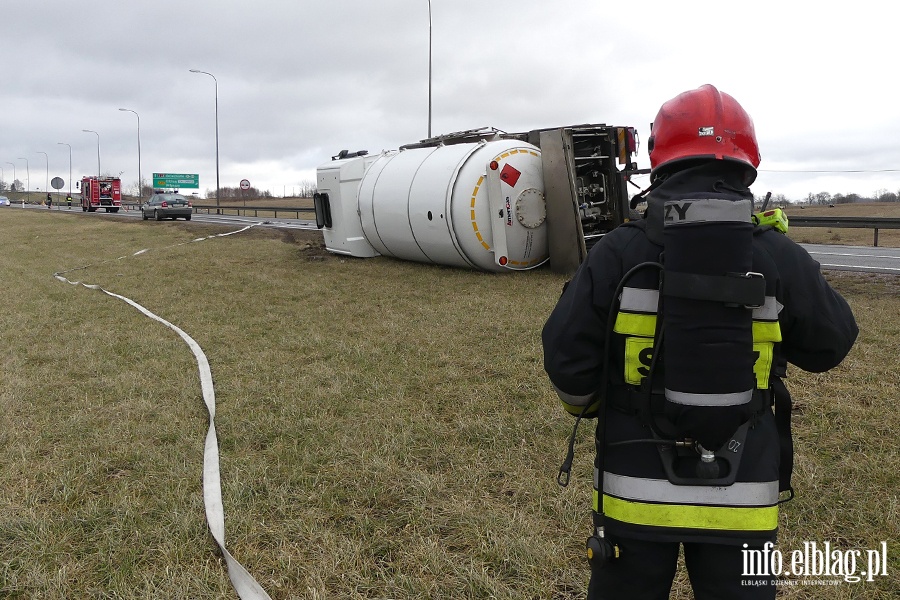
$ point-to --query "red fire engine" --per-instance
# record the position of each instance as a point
(105, 193)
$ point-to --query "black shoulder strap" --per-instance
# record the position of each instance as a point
(786, 440)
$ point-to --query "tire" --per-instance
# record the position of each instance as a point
(157, 216)
(144, 215)
(187, 218)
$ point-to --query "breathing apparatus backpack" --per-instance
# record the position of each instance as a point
(705, 334)
(701, 393)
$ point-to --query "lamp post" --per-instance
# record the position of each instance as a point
(47, 181)
(27, 179)
(140, 181)
(70, 166)
(98, 153)
(429, 68)
(217, 133)
(14, 175)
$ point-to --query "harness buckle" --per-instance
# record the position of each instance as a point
(754, 275)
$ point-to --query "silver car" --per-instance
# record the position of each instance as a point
(167, 206)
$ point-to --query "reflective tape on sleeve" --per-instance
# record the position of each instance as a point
(634, 324)
(765, 331)
(769, 311)
(639, 300)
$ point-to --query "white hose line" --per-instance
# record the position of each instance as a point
(244, 583)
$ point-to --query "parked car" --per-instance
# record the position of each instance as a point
(4, 201)
(167, 206)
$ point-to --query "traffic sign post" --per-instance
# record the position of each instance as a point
(176, 180)
(245, 185)
(56, 183)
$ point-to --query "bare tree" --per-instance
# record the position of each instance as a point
(884, 195)
(307, 188)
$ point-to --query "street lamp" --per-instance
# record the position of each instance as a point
(98, 153)
(70, 166)
(140, 181)
(217, 133)
(27, 179)
(14, 175)
(47, 158)
(429, 68)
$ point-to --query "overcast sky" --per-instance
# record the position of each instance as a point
(299, 80)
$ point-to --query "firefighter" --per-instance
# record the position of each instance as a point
(49, 200)
(681, 364)
(69, 200)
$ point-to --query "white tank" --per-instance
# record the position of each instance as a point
(475, 205)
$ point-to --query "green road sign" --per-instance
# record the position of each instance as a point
(176, 180)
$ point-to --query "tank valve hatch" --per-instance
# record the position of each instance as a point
(531, 210)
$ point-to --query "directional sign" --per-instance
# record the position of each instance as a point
(176, 180)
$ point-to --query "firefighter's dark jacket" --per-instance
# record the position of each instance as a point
(817, 331)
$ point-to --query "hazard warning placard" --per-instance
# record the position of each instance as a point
(510, 175)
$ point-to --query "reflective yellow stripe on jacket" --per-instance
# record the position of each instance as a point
(742, 506)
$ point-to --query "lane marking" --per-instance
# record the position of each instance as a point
(861, 268)
(894, 256)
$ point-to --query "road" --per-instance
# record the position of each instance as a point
(863, 259)
(856, 258)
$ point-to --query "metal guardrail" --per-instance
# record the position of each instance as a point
(242, 210)
(255, 210)
(875, 223)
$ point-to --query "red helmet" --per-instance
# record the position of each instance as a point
(703, 123)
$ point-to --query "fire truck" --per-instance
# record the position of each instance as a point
(481, 198)
(105, 192)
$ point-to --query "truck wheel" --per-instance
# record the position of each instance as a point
(157, 216)
(84, 209)
(187, 218)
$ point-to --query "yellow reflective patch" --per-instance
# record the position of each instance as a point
(635, 324)
(763, 365)
(729, 518)
(766, 331)
(638, 353)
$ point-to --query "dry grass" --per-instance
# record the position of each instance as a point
(386, 429)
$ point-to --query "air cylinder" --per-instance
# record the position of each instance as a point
(708, 344)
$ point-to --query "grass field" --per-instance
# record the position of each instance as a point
(386, 429)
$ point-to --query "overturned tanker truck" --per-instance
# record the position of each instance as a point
(481, 198)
